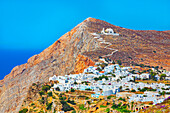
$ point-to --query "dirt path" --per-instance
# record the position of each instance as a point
(101, 40)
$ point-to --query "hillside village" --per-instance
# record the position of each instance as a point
(105, 87)
(111, 85)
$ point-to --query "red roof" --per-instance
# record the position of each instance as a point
(102, 71)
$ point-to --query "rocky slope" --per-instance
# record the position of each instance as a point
(78, 49)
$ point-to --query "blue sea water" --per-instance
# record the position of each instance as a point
(11, 58)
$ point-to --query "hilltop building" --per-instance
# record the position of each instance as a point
(109, 31)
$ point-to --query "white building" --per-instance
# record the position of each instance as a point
(54, 78)
(109, 31)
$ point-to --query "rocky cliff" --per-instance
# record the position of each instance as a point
(78, 49)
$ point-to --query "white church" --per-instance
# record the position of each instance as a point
(109, 31)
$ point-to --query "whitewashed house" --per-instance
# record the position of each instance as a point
(109, 31)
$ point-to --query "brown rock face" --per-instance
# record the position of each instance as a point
(82, 63)
(77, 50)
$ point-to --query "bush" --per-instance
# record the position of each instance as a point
(62, 98)
(49, 105)
(88, 89)
(42, 93)
(133, 90)
(96, 79)
(123, 99)
(65, 106)
(50, 93)
(113, 62)
(32, 104)
(114, 106)
(98, 69)
(107, 110)
(73, 111)
(23, 110)
(46, 88)
(71, 102)
(119, 62)
(82, 107)
(103, 65)
(162, 76)
(109, 97)
(75, 82)
(57, 89)
(72, 90)
(113, 75)
(102, 106)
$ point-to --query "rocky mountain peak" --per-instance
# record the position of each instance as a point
(80, 48)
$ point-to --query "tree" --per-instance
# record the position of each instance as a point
(75, 82)
(96, 79)
(113, 62)
(72, 90)
(49, 106)
(57, 89)
(119, 62)
(133, 90)
(98, 68)
(50, 93)
(46, 88)
(113, 75)
(107, 110)
(41, 93)
(162, 76)
(120, 88)
(152, 75)
(156, 67)
(118, 80)
(163, 93)
(142, 65)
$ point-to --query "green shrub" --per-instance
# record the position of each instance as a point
(65, 106)
(107, 110)
(102, 106)
(42, 93)
(109, 97)
(72, 90)
(133, 90)
(57, 89)
(32, 104)
(49, 106)
(113, 62)
(123, 99)
(46, 88)
(50, 93)
(71, 102)
(82, 107)
(119, 62)
(62, 98)
(75, 82)
(41, 101)
(23, 110)
(73, 111)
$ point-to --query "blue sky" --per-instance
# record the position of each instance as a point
(29, 26)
